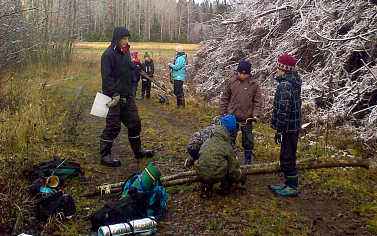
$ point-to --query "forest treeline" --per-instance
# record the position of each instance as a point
(43, 31)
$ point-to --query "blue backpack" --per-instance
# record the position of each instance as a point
(155, 199)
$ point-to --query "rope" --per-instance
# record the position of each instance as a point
(105, 189)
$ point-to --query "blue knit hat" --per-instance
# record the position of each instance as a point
(229, 121)
(244, 66)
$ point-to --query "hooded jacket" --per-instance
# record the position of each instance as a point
(241, 98)
(286, 116)
(148, 67)
(135, 66)
(217, 160)
(115, 66)
(179, 67)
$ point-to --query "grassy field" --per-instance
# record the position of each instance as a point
(139, 46)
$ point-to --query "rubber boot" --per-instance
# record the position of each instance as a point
(182, 103)
(206, 190)
(138, 151)
(178, 103)
(248, 157)
(291, 189)
(277, 187)
(106, 158)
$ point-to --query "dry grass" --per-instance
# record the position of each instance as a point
(138, 46)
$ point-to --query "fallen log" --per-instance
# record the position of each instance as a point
(266, 168)
(275, 167)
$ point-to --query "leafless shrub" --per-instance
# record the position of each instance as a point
(333, 41)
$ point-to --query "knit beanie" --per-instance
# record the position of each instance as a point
(179, 49)
(286, 63)
(229, 121)
(134, 54)
(244, 67)
(146, 55)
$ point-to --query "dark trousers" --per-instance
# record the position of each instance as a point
(134, 88)
(146, 87)
(194, 154)
(288, 154)
(178, 88)
(126, 113)
(247, 136)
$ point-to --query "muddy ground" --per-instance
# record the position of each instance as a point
(252, 211)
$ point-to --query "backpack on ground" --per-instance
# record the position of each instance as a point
(63, 168)
(124, 210)
(57, 204)
(155, 200)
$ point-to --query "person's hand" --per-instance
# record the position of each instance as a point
(114, 101)
(169, 64)
(278, 138)
(255, 119)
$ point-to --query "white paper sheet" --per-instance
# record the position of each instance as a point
(99, 107)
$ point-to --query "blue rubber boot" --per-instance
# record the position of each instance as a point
(291, 189)
(248, 157)
(277, 187)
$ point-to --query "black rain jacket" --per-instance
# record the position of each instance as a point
(115, 66)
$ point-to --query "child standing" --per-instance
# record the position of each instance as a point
(286, 120)
(135, 72)
(146, 84)
(217, 161)
(242, 98)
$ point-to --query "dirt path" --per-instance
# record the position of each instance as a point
(253, 211)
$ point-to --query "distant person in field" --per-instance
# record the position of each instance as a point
(117, 84)
(135, 71)
(179, 70)
(197, 140)
(242, 98)
(217, 161)
(286, 120)
(146, 84)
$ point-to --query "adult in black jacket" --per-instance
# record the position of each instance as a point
(117, 83)
(146, 84)
(286, 120)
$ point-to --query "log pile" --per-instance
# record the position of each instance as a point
(335, 45)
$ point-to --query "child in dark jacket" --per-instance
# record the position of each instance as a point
(135, 72)
(286, 120)
(146, 84)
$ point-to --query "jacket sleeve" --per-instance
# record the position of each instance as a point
(152, 70)
(225, 98)
(109, 83)
(234, 170)
(257, 100)
(283, 106)
(179, 63)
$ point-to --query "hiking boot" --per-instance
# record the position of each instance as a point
(189, 162)
(206, 191)
(275, 187)
(110, 161)
(148, 153)
(288, 191)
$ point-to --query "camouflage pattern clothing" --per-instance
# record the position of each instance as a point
(217, 160)
(198, 138)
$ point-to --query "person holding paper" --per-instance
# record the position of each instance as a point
(117, 84)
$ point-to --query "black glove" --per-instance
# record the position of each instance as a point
(278, 138)
(244, 179)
